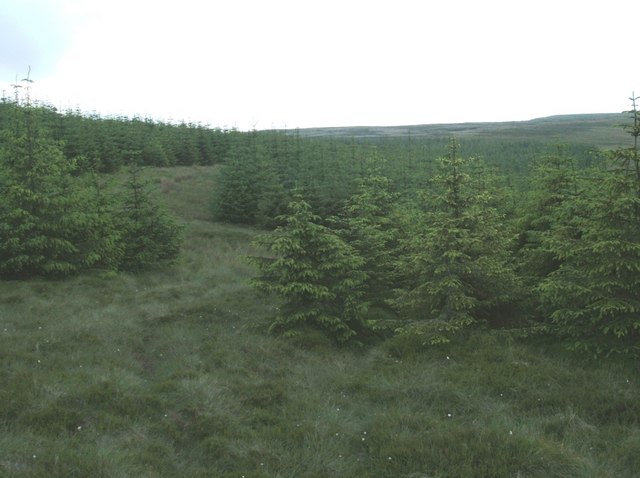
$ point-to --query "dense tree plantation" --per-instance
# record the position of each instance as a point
(177, 300)
(458, 246)
(372, 237)
(56, 215)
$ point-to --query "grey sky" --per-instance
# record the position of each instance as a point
(31, 33)
(299, 63)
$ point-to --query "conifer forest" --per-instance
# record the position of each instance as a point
(428, 301)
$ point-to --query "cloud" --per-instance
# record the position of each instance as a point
(271, 63)
(32, 33)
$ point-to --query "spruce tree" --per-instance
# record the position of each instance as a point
(273, 198)
(458, 265)
(237, 189)
(370, 222)
(100, 233)
(42, 205)
(593, 298)
(548, 206)
(315, 274)
(149, 236)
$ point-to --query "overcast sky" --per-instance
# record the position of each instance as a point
(302, 63)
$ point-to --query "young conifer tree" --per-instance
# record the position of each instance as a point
(237, 193)
(545, 212)
(149, 236)
(370, 225)
(458, 255)
(594, 296)
(41, 204)
(315, 274)
(100, 234)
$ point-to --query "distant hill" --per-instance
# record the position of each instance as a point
(602, 130)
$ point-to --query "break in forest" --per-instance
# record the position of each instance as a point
(364, 238)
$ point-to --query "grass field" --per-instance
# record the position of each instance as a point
(171, 373)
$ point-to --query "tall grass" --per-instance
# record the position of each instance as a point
(171, 373)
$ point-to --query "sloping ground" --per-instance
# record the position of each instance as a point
(602, 130)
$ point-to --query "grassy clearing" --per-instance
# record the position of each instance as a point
(170, 373)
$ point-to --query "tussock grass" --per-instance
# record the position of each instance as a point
(171, 373)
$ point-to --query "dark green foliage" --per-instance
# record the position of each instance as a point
(237, 192)
(273, 198)
(371, 226)
(101, 234)
(593, 298)
(44, 216)
(458, 266)
(186, 149)
(316, 275)
(108, 139)
(263, 168)
(553, 182)
(58, 218)
(149, 235)
(34, 211)
(329, 169)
